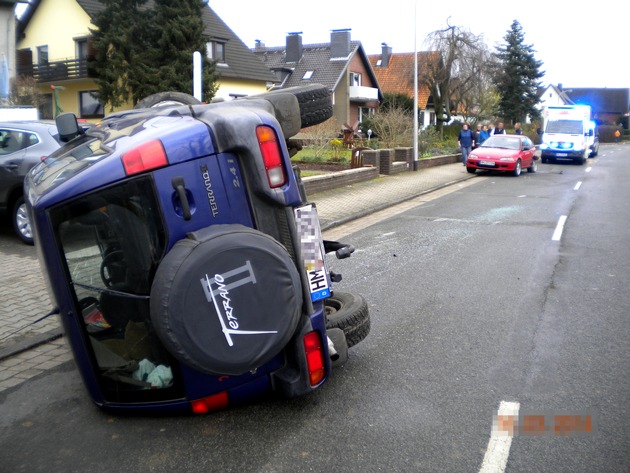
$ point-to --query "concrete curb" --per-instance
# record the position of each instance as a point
(342, 221)
(30, 342)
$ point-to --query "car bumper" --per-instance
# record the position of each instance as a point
(496, 165)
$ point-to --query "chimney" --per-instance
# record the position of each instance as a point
(340, 44)
(260, 46)
(386, 52)
(294, 47)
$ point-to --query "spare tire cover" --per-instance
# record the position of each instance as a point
(226, 299)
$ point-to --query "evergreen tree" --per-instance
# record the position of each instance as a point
(180, 34)
(145, 48)
(119, 41)
(517, 76)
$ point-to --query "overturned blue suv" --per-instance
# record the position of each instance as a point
(185, 261)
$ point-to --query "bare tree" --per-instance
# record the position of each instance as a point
(451, 75)
(393, 127)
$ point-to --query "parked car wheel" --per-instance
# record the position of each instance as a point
(349, 312)
(471, 170)
(167, 98)
(226, 299)
(533, 167)
(21, 222)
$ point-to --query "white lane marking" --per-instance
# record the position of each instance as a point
(588, 169)
(558, 233)
(577, 186)
(498, 450)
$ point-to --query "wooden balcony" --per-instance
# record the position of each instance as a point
(58, 71)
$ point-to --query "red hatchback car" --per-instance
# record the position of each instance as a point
(509, 153)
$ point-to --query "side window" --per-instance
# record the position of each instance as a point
(15, 140)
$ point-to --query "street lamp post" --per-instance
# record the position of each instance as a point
(415, 87)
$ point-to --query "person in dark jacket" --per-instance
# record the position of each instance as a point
(499, 130)
(466, 139)
(517, 129)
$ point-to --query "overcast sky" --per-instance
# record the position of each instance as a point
(582, 44)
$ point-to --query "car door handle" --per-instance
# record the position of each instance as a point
(180, 187)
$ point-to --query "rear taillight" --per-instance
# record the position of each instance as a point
(147, 156)
(210, 403)
(314, 357)
(272, 156)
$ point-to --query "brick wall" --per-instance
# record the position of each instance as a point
(325, 182)
(372, 161)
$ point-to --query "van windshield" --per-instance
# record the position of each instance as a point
(568, 127)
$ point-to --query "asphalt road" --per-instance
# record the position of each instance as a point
(472, 303)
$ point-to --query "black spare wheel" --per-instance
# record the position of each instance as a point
(349, 312)
(167, 98)
(226, 299)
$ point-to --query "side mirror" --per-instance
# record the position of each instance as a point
(67, 126)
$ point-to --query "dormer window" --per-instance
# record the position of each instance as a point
(216, 51)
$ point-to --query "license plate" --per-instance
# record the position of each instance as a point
(486, 163)
(562, 155)
(312, 249)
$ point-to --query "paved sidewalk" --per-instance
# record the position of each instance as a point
(26, 350)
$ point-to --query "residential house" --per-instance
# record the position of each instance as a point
(340, 65)
(54, 48)
(395, 74)
(608, 106)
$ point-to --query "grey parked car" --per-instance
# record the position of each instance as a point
(23, 144)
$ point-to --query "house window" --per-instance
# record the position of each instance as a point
(89, 105)
(364, 113)
(42, 54)
(355, 79)
(308, 75)
(216, 51)
(81, 47)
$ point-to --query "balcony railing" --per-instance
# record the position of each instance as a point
(363, 94)
(56, 71)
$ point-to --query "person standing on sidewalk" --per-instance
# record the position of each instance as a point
(465, 140)
(517, 129)
(499, 130)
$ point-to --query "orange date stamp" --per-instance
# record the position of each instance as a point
(543, 424)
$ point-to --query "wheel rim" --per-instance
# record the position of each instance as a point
(22, 222)
(517, 171)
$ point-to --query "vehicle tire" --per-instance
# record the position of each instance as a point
(314, 101)
(349, 312)
(21, 222)
(165, 99)
(226, 299)
(471, 170)
(533, 167)
(517, 169)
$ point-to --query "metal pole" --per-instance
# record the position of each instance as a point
(197, 91)
(415, 87)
